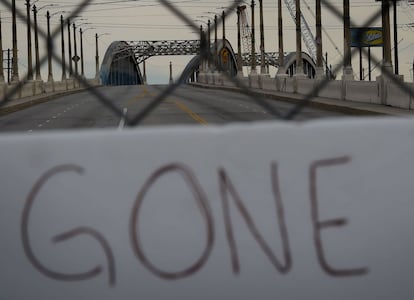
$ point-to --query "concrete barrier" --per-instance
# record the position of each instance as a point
(362, 91)
(377, 92)
(399, 97)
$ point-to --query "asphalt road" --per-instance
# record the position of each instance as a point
(187, 105)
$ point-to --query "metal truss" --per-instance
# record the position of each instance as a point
(143, 50)
(271, 59)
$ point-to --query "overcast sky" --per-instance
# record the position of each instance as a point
(148, 20)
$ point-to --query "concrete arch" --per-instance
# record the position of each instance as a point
(117, 69)
(226, 60)
(309, 66)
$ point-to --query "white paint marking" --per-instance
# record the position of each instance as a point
(40, 125)
(47, 121)
(30, 130)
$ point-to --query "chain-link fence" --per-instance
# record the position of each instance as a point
(204, 55)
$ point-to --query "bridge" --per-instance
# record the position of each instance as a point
(120, 65)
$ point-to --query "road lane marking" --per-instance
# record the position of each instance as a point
(122, 121)
(141, 95)
(192, 114)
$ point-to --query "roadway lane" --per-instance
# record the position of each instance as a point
(187, 105)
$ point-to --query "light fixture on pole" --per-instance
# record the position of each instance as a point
(29, 43)
(49, 49)
(97, 54)
(15, 75)
(81, 49)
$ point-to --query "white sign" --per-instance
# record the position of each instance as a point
(320, 210)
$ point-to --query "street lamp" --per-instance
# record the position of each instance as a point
(15, 77)
(37, 59)
(62, 40)
(97, 54)
(1, 56)
(253, 52)
(81, 48)
(29, 43)
(49, 49)
(262, 51)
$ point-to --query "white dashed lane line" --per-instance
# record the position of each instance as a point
(54, 117)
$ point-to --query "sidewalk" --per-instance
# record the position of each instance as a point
(347, 107)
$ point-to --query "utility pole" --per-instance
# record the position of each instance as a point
(96, 57)
(1, 56)
(224, 26)
(395, 37)
(319, 55)
(76, 51)
(215, 42)
(38, 76)
(347, 73)
(15, 76)
(239, 54)
(8, 65)
(280, 31)
(49, 49)
(253, 51)
(29, 43)
(63, 48)
(262, 47)
(171, 78)
(387, 64)
(81, 49)
(70, 52)
(208, 44)
(299, 63)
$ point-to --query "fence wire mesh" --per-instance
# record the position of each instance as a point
(205, 55)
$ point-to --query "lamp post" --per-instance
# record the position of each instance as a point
(239, 54)
(63, 48)
(1, 56)
(262, 50)
(49, 49)
(385, 9)
(394, 2)
(215, 42)
(224, 26)
(299, 63)
(97, 54)
(347, 68)
(319, 61)
(15, 76)
(75, 48)
(70, 51)
(253, 51)
(281, 69)
(29, 43)
(38, 76)
(81, 50)
(208, 43)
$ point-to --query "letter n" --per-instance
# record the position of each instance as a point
(227, 188)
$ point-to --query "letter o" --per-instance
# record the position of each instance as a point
(202, 203)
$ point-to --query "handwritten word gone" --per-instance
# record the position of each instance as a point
(228, 192)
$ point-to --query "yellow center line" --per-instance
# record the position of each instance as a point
(192, 114)
(141, 95)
